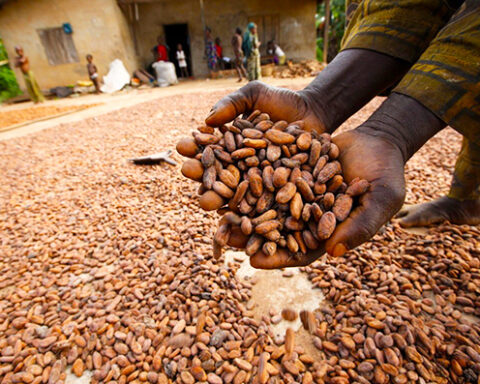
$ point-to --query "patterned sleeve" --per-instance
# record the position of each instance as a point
(399, 28)
(446, 78)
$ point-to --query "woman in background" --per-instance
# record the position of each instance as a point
(251, 47)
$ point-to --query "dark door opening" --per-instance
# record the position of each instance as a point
(178, 34)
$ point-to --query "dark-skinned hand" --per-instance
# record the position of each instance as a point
(368, 157)
(279, 103)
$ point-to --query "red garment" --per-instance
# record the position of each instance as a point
(162, 54)
(219, 50)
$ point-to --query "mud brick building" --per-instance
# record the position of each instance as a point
(128, 30)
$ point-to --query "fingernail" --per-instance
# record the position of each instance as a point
(339, 250)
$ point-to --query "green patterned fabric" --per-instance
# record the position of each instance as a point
(446, 77)
(442, 41)
(33, 88)
(254, 70)
(466, 178)
(399, 28)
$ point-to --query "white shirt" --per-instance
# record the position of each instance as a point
(279, 52)
(181, 59)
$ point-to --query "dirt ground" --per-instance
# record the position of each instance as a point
(15, 117)
(90, 242)
(111, 102)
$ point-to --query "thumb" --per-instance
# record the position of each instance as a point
(231, 106)
(375, 208)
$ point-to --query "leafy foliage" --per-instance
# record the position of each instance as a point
(337, 27)
(8, 82)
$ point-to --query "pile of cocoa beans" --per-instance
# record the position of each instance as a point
(281, 185)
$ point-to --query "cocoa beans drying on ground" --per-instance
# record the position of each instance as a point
(284, 185)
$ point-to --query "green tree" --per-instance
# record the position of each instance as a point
(8, 82)
(337, 27)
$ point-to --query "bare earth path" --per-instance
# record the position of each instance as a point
(107, 266)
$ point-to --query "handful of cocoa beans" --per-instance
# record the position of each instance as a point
(281, 185)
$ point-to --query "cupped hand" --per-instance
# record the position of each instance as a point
(367, 156)
(279, 103)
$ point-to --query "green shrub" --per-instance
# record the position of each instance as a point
(8, 83)
(337, 27)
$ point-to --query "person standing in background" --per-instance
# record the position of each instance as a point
(210, 51)
(251, 47)
(93, 73)
(219, 50)
(21, 61)
(182, 62)
(160, 51)
(237, 41)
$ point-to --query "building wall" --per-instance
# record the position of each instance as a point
(99, 28)
(296, 22)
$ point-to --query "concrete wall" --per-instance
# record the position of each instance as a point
(296, 21)
(99, 28)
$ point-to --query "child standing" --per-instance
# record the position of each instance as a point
(92, 73)
(182, 62)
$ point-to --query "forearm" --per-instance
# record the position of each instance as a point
(349, 82)
(404, 122)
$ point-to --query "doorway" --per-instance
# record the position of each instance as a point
(178, 34)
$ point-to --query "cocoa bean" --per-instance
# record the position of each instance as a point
(209, 177)
(280, 125)
(310, 240)
(358, 188)
(208, 157)
(254, 244)
(333, 152)
(342, 207)
(328, 171)
(280, 176)
(292, 244)
(265, 202)
(222, 190)
(293, 224)
(286, 193)
(306, 212)
(205, 138)
(227, 178)
(193, 169)
(255, 143)
(269, 248)
(267, 226)
(239, 194)
(223, 156)
(279, 137)
(328, 201)
(273, 235)
(211, 201)
(335, 183)
(273, 153)
(267, 176)
(264, 125)
(319, 165)
(296, 206)
(294, 175)
(315, 149)
(230, 144)
(326, 225)
(304, 141)
(256, 184)
(187, 147)
(242, 153)
(305, 190)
